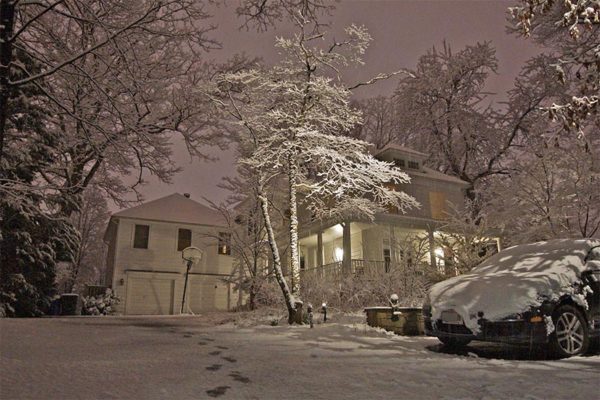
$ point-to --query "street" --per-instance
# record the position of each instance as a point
(190, 358)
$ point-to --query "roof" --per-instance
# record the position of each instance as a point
(433, 174)
(174, 208)
(397, 147)
(424, 171)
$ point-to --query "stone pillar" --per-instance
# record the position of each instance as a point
(347, 244)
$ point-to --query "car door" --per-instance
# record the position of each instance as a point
(591, 278)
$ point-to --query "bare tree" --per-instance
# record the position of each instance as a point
(90, 221)
(381, 125)
(551, 192)
(445, 111)
(117, 80)
(572, 30)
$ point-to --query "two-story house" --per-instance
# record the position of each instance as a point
(144, 262)
(390, 238)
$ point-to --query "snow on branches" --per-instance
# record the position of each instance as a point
(291, 121)
(572, 29)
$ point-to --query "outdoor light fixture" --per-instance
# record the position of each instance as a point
(338, 229)
(439, 255)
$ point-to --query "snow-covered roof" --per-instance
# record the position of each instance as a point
(433, 174)
(392, 150)
(398, 148)
(174, 208)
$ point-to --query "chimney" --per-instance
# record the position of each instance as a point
(187, 195)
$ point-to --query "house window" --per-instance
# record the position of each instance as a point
(184, 239)
(413, 165)
(302, 262)
(140, 237)
(399, 163)
(387, 259)
(437, 202)
(224, 244)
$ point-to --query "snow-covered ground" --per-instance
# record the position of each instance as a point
(189, 358)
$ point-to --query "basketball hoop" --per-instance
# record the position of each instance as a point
(192, 255)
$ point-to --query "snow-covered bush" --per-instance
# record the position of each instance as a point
(100, 305)
(369, 287)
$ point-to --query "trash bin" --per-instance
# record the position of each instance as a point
(55, 306)
(68, 303)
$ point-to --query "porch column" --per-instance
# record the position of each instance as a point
(432, 259)
(347, 244)
(320, 249)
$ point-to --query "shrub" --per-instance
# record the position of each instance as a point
(100, 305)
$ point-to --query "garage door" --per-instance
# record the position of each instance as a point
(208, 294)
(149, 296)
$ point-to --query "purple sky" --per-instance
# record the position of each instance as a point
(402, 30)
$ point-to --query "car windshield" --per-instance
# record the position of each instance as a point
(594, 254)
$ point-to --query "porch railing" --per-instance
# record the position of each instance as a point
(357, 267)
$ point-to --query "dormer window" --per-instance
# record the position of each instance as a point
(413, 165)
(399, 162)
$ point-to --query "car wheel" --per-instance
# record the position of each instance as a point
(454, 342)
(570, 336)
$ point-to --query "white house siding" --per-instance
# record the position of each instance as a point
(356, 243)
(372, 239)
(162, 262)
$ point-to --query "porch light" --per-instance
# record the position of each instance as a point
(339, 254)
(338, 229)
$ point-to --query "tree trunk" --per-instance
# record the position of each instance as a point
(7, 17)
(287, 294)
(294, 253)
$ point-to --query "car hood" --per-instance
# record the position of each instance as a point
(512, 281)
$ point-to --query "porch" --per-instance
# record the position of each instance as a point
(357, 247)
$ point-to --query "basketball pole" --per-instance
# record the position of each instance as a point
(189, 265)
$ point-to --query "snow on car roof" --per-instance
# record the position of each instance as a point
(540, 256)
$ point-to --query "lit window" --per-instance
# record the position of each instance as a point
(140, 236)
(338, 254)
(224, 244)
(184, 239)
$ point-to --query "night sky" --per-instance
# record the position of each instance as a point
(401, 30)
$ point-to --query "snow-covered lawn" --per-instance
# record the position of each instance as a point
(189, 358)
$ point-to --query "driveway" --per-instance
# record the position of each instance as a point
(189, 358)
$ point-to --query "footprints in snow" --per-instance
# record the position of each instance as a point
(218, 391)
(235, 375)
(239, 377)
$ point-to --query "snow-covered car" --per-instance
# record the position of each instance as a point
(539, 293)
